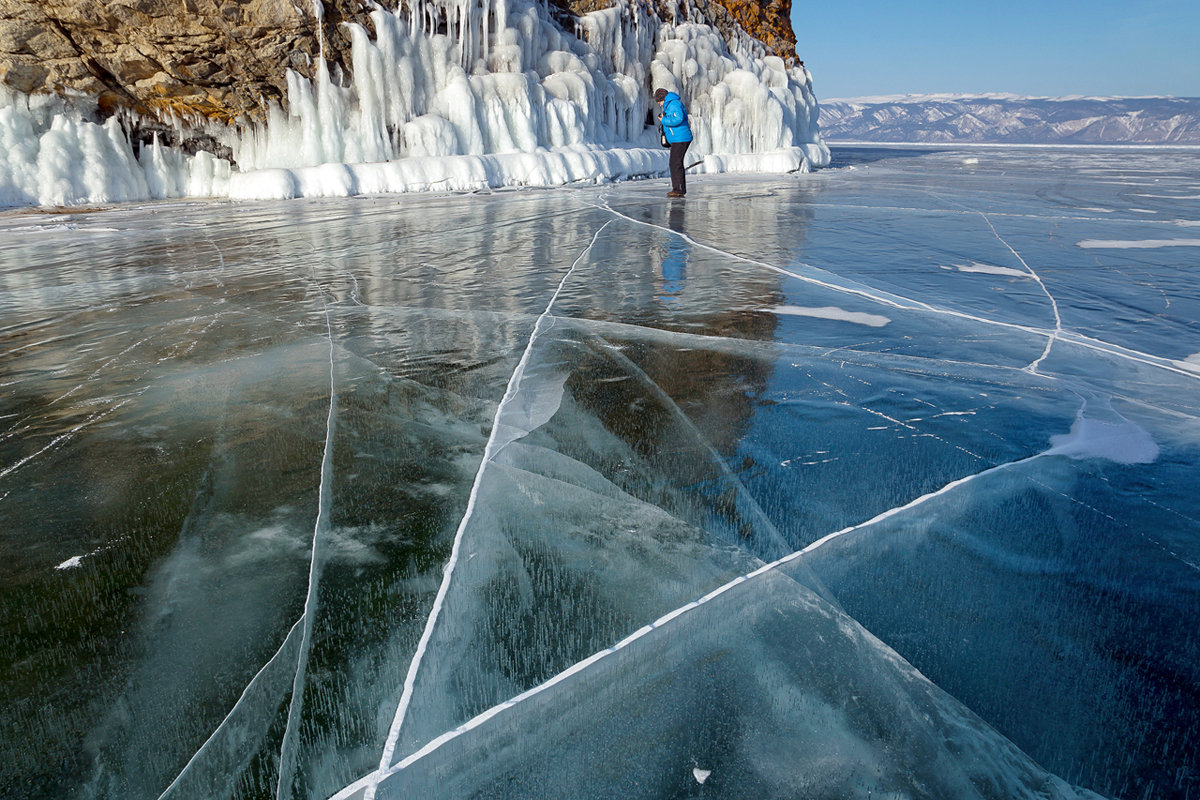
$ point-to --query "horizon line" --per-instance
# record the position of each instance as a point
(893, 98)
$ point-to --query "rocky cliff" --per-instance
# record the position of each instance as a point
(218, 59)
(226, 60)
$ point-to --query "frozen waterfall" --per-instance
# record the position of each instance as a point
(448, 95)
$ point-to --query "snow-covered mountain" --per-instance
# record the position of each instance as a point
(1013, 119)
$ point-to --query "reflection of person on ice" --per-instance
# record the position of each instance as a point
(674, 120)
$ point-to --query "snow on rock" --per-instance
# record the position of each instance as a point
(503, 97)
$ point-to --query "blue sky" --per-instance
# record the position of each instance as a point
(1047, 48)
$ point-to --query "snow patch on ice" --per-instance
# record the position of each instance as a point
(835, 313)
(1121, 441)
(989, 269)
(1191, 363)
(1136, 244)
(75, 562)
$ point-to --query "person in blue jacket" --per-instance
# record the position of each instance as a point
(674, 120)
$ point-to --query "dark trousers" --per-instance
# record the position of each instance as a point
(678, 178)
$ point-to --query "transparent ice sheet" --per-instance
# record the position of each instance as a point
(252, 546)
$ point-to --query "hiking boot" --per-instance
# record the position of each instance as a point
(674, 193)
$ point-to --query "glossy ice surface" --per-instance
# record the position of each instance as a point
(379, 496)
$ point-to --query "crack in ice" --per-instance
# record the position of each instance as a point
(286, 755)
(57, 440)
(371, 781)
(17, 428)
(877, 297)
(304, 623)
(1010, 214)
(1058, 329)
(241, 699)
(777, 539)
(908, 304)
(489, 453)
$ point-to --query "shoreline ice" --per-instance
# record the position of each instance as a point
(524, 104)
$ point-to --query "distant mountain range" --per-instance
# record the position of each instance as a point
(1012, 119)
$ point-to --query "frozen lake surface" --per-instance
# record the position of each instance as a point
(879, 481)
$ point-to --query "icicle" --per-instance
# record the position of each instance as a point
(485, 29)
(318, 9)
(501, 77)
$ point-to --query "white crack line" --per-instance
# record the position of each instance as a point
(490, 451)
(287, 756)
(1058, 329)
(372, 780)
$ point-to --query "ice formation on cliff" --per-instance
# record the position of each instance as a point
(503, 96)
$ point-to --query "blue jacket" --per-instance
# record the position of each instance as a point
(675, 119)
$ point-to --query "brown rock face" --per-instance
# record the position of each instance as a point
(216, 59)
(225, 60)
(769, 21)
